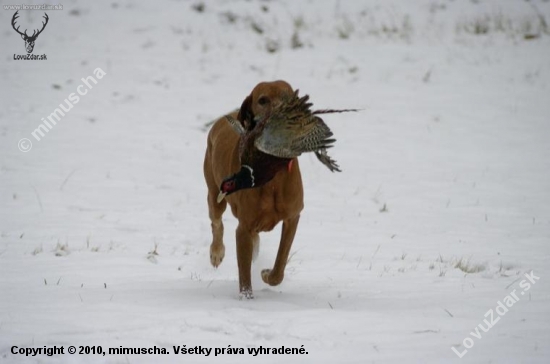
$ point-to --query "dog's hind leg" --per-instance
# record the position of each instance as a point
(255, 246)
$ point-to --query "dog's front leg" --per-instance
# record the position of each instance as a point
(245, 244)
(275, 276)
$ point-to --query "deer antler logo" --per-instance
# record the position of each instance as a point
(29, 40)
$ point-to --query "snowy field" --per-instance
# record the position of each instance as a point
(442, 207)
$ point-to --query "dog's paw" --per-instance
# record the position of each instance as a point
(269, 278)
(265, 275)
(246, 294)
(217, 253)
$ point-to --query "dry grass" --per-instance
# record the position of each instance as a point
(468, 267)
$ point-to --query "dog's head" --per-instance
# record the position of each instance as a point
(261, 100)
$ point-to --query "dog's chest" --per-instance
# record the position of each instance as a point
(271, 210)
(261, 209)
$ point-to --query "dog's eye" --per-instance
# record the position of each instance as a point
(263, 100)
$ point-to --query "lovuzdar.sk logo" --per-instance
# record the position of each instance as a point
(29, 39)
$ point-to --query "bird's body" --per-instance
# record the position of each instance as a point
(288, 131)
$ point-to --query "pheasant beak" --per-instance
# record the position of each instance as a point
(221, 196)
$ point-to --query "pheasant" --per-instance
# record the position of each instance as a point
(289, 130)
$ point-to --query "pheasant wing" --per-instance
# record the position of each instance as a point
(292, 129)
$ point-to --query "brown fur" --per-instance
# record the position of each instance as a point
(257, 209)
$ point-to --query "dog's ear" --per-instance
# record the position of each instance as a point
(245, 115)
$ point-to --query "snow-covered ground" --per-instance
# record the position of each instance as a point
(442, 207)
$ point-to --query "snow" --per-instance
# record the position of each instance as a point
(442, 206)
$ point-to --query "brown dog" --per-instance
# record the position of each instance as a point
(257, 209)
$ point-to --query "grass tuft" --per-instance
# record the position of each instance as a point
(151, 256)
(467, 267)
